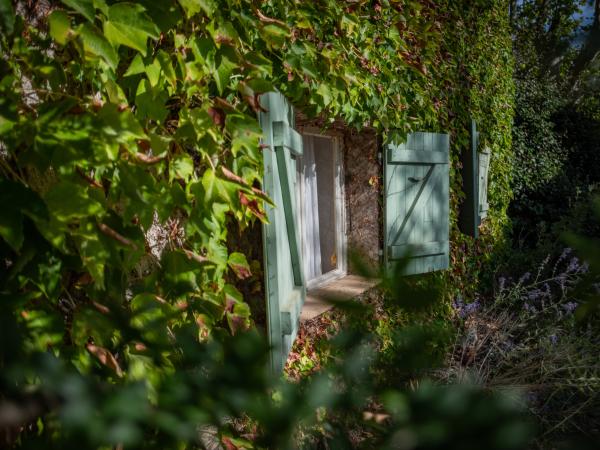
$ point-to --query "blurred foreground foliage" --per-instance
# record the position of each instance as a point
(219, 384)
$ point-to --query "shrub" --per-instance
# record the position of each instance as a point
(527, 337)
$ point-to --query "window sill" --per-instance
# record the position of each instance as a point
(345, 288)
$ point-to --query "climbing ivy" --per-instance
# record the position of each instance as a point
(123, 120)
(129, 140)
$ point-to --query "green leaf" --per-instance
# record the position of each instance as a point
(167, 68)
(192, 7)
(60, 25)
(179, 273)
(129, 25)
(182, 167)
(11, 228)
(83, 7)
(7, 16)
(151, 101)
(95, 43)
(119, 126)
(275, 34)
(93, 252)
(136, 67)
(68, 200)
(239, 265)
(216, 188)
(223, 73)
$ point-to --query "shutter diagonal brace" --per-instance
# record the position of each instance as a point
(426, 189)
(286, 140)
(417, 201)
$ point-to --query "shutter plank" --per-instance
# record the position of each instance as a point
(416, 250)
(417, 202)
(284, 287)
(399, 155)
(287, 175)
(286, 136)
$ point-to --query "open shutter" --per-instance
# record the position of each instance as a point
(469, 219)
(284, 282)
(483, 159)
(417, 202)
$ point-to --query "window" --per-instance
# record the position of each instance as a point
(321, 202)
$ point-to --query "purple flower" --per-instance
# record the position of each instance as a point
(525, 277)
(465, 310)
(566, 252)
(527, 307)
(547, 290)
(570, 307)
(562, 279)
(585, 267)
(472, 307)
(574, 265)
(501, 283)
(553, 339)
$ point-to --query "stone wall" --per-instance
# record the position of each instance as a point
(362, 171)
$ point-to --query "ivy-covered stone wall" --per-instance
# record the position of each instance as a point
(472, 80)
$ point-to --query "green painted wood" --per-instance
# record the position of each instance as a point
(400, 155)
(287, 177)
(285, 136)
(425, 249)
(284, 286)
(484, 165)
(417, 202)
(469, 218)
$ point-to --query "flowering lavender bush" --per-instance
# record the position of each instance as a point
(527, 337)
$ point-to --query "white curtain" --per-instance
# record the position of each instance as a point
(310, 212)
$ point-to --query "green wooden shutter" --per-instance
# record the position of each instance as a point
(285, 289)
(417, 202)
(483, 158)
(475, 178)
(469, 218)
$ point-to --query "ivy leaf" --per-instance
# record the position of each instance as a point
(83, 7)
(236, 310)
(151, 101)
(11, 228)
(93, 252)
(216, 188)
(239, 265)
(129, 25)
(275, 34)
(60, 25)
(223, 73)
(167, 68)
(192, 7)
(182, 167)
(96, 44)
(136, 67)
(179, 273)
(68, 200)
